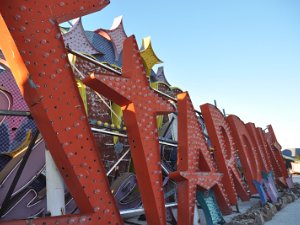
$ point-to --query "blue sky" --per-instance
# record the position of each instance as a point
(244, 54)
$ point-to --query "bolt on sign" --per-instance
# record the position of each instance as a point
(33, 46)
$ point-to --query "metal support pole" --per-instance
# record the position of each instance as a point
(196, 215)
(136, 212)
(224, 113)
(215, 103)
(169, 143)
(103, 131)
(117, 163)
(168, 127)
(165, 169)
(162, 142)
(93, 61)
(55, 188)
(237, 208)
(14, 113)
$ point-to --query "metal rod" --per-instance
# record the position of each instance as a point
(108, 127)
(118, 162)
(77, 70)
(215, 103)
(71, 24)
(120, 73)
(168, 143)
(237, 208)
(224, 113)
(18, 173)
(109, 144)
(198, 112)
(162, 142)
(165, 95)
(94, 61)
(14, 113)
(105, 103)
(168, 127)
(113, 70)
(141, 210)
(99, 96)
(102, 131)
(165, 169)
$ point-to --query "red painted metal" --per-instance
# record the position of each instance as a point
(225, 152)
(275, 148)
(273, 155)
(262, 162)
(269, 154)
(188, 175)
(36, 54)
(246, 151)
(262, 144)
(50, 90)
(140, 105)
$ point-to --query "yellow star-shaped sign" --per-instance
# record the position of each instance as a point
(148, 55)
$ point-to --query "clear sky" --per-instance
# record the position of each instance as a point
(244, 54)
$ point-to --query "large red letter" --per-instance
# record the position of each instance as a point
(225, 153)
(140, 105)
(246, 151)
(51, 93)
(262, 161)
(188, 174)
(275, 149)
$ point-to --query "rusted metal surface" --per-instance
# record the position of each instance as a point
(50, 90)
(246, 151)
(262, 163)
(140, 105)
(275, 149)
(35, 52)
(188, 174)
(224, 152)
(262, 145)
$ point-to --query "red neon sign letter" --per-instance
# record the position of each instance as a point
(224, 149)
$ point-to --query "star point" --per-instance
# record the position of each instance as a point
(117, 35)
(148, 55)
(76, 39)
(140, 105)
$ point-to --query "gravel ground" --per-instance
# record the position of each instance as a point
(290, 215)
